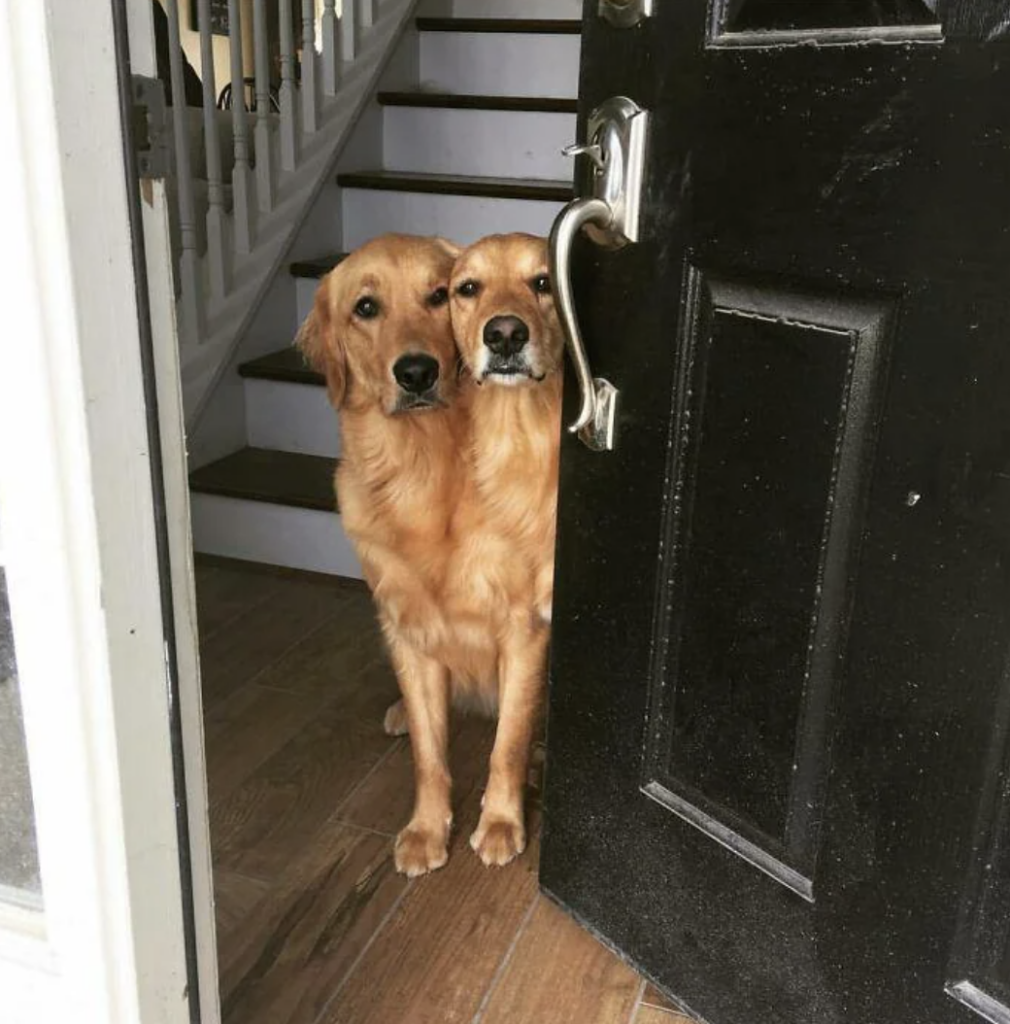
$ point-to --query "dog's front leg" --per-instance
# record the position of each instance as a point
(501, 831)
(423, 845)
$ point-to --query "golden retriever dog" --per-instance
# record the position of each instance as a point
(380, 333)
(453, 525)
(500, 579)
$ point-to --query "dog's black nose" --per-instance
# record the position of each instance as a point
(416, 373)
(505, 335)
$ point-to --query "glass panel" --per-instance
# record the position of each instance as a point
(786, 15)
(19, 862)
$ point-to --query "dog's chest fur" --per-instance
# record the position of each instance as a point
(398, 483)
(504, 528)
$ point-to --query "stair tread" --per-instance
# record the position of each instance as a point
(316, 267)
(285, 365)
(459, 184)
(542, 26)
(262, 474)
(473, 101)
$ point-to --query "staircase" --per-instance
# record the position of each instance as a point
(468, 144)
(256, 131)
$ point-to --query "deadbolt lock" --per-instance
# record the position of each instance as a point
(625, 13)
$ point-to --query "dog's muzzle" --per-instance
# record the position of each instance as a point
(417, 376)
(506, 339)
(414, 403)
(508, 366)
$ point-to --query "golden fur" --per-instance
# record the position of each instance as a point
(396, 480)
(450, 509)
(500, 578)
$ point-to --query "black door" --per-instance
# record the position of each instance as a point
(778, 736)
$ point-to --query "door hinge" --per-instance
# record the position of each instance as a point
(150, 127)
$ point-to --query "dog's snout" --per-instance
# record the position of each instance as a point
(506, 335)
(416, 373)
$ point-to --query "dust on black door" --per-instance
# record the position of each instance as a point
(779, 701)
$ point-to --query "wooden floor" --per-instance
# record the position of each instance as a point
(314, 924)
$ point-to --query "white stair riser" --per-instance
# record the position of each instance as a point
(464, 219)
(500, 63)
(305, 295)
(258, 531)
(290, 418)
(498, 143)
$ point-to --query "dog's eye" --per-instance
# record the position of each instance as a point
(366, 308)
(468, 289)
(439, 297)
(541, 284)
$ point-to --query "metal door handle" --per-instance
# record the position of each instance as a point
(595, 421)
(625, 13)
(616, 147)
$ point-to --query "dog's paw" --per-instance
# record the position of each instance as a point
(498, 840)
(419, 850)
(395, 722)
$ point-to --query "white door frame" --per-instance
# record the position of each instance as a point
(80, 550)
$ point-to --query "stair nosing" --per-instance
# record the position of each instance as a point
(525, 26)
(544, 190)
(250, 494)
(249, 370)
(314, 268)
(475, 101)
(263, 499)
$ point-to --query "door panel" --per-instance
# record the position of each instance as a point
(980, 967)
(771, 438)
(782, 607)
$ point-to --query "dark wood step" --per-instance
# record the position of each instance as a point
(461, 101)
(317, 267)
(459, 185)
(538, 26)
(286, 365)
(280, 478)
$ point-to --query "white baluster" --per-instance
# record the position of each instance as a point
(191, 314)
(217, 249)
(289, 126)
(330, 29)
(368, 13)
(241, 175)
(310, 103)
(349, 29)
(264, 163)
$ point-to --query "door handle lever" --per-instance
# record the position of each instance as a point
(616, 132)
(595, 421)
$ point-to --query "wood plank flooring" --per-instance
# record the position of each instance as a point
(306, 795)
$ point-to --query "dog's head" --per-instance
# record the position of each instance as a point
(380, 329)
(503, 312)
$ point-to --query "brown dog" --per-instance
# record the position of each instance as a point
(380, 332)
(500, 580)
(449, 498)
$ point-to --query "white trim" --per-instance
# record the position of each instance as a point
(80, 543)
(23, 938)
(176, 479)
(161, 292)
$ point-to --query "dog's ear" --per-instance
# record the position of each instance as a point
(451, 248)
(319, 343)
